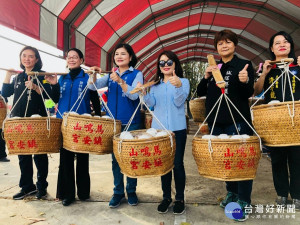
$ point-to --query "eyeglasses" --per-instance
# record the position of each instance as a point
(162, 63)
(73, 57)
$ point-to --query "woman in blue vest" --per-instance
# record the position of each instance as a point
(70, 87)
(122, 105)
(168, 97)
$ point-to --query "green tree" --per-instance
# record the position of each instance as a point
(194, 72)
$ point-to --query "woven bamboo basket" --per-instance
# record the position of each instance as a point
(145, 157)
(86, 134)
(231, 159)
(148, 120)
(197, 108)
(27, 136)
(204, 128)
(3, 110)
(274, 124)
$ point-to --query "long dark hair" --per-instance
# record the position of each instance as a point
(130, 51)
(39, 63)
(289, 39)
(178, 69)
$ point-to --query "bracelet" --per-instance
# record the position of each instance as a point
(122, 82)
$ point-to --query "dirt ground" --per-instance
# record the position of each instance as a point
(202, 196)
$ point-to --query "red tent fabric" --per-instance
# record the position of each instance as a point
(185, 26)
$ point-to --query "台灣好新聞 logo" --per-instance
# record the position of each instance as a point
(233, 211)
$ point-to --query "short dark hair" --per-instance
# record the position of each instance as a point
(39, 63)
(80, 54)
(178, 69)
(130, 51)
(289, 39)
(226, 35)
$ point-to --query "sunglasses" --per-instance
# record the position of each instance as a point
(162, 63)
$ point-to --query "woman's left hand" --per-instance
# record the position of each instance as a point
(31, 85)
(143, 90)
(114, 76)
(243, 74)
(298, 60)
(174, 80)
(52, 79)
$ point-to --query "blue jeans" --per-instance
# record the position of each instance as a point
(179, 172)
(243, 189)
(118, 176)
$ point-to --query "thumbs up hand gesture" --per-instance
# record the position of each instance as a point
(174, 80)
(243, 74)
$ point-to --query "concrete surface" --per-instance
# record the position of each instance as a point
(202, 197)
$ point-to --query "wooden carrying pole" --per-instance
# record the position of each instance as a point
(137, 89)
(216, 73)
(10, 70)
(288, 60)
(32, 73)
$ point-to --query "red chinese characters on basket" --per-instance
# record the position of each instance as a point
(245, 160)
(2, 105)
(88, 134)
(25, 143)
(149, 162)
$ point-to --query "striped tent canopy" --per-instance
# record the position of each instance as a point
(186, 27)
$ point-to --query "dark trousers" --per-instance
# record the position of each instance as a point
(179, 172)
(118, 176)
(243, 189)
(66, 176)
(2, 146)
(26, 167)
(286, 170)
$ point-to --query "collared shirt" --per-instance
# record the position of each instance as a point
(168, 102)
(103, 82)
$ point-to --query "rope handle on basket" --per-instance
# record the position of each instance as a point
(218, 102)
(292, 115)
(120, 149)
(28, 99)
(153, 115)
(81, 96)
(131, 119)
(193, 94)
(105, 106)
(48, 126)
(286, 72)
(210, 149)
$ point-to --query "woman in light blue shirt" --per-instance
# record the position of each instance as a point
(168, 97)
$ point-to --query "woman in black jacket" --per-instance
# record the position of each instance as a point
(30, 60)
(239, 77)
